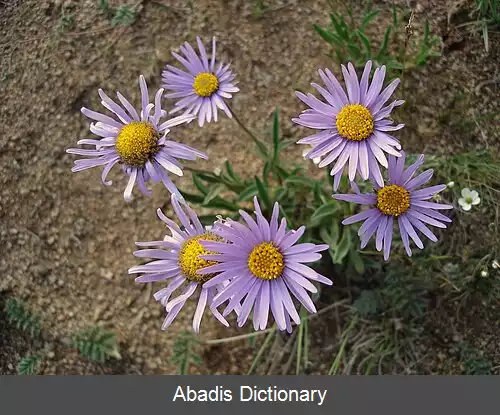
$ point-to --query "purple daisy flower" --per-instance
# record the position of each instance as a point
(354, 126)
(264, 265)
(138, 142)
(203, 87)
(398, 200)
(179, 261)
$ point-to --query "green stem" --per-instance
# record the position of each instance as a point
(238, 121)
(258, 143)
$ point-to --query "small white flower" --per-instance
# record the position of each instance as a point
(484, 273)
(469, 198)
(315, 160)
(217, 171)
(450, 185)
(495, 264)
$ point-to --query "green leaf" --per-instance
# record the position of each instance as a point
(199, 185)
(276, 134)
(355, 50)
(324, 212)
(247, 193)
(261, 149)
(342, 248)
(231, 173)
(263, 194)
(385, 44)
(368, 18)
(289, 219)
(29, 365)
(207, 220)
(96, 344)
(325, 236)
(394, 15)
(212, 193)
(208, 177)
(265, 171)
(219, 203)
(300, 180)
(285, 143)
(192, 198)
(320, 195)
(357, 261)
(366, 43)
(281, 172)
(340, 26)
(280, 194)
(335, 233)
(326, 35)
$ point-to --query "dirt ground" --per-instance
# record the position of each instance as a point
(66, 240)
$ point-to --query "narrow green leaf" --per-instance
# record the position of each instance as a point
(199, 184)
(357, 261)
(300, 344)
(338, 358)
(231, 173)
(263, 194)
(366, 43)
(340, 26)
(212, 193)
(280, 194)
(301, 181)
(208, 177)
(323, 212)
(276, 134)
(368, 18)
(249, 192)
(355, 50)
(342, 248)
(261, 149)
(325, 236)
(285, 143)
(265, 171)
(394, 16)
(335, 233)
(289, 219)
(207, 219)
(281, 172)
(385, 44)
(326, 35)
(219, 203)
(261, 351)
(192, 198)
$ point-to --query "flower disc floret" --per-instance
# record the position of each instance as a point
(205, 84)
(266, 261)
(136, 143)
(355, 122)
(393, 200)
(190, 261)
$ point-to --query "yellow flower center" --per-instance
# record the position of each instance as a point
(136, 143)
(393, 200)
(189, 260)
(355, 122)
(205, 84)
(266, 261)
